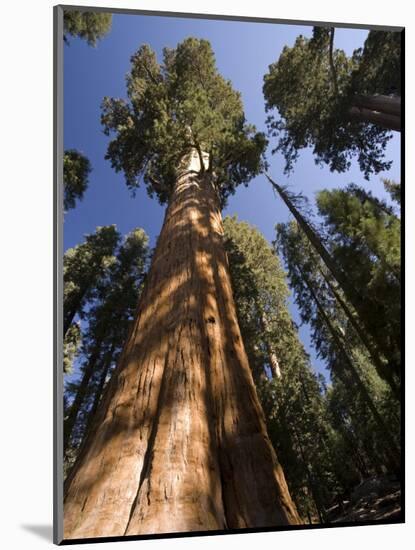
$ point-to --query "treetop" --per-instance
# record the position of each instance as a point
(175, 107)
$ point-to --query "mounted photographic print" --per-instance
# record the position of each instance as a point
(228, 275)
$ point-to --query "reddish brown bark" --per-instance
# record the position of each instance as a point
(179, 441)
(385, 111)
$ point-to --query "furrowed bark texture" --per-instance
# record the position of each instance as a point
(179, 441)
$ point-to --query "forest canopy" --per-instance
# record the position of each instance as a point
(232, 350)
(343, 126)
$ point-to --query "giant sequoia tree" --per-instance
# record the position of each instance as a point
(341, 107)
(179, 442)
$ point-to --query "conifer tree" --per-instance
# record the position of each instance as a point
(76, 169)
(83, 265)
(107, 320)
(371, 338)
(341, 107)
(71, 345)
(87, 25)
(365, 240)
(333, 336)
(294, 400)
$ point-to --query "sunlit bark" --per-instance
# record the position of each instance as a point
(179, 441)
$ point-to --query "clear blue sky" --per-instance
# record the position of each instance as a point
(243, 53)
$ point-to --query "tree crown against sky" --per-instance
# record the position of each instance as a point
(107, 202)
(105, 325)
(363, 238)
(83, 265)
(378, 65)
(313, 86)
(76, 169)
(87, 25)
(173, 108)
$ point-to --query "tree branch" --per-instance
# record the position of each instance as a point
(150, 74)
(199, 152)
(331, 61)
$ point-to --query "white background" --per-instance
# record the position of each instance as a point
(26, 122)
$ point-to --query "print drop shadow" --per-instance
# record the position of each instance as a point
(43, 531)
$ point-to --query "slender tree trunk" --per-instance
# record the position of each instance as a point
(69, 314)
(272, 356)
(383, 110)
(70, 420)
(100, 388)
(383, 103)
(179, 441)
(353, 296)
(390, 446)
(373, 353)
(69, 317)
(317, 502)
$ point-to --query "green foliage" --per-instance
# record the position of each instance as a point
(87, 25)
(76, 169)
(116, 294)
(378, 65)
(83, 265)
(173, 108)
(71, 345)
(394, 190)
(300, 429)
(313, 86)
(293, 403)
(110, 311)
(260, 291)
(364, 236)
(352, 415)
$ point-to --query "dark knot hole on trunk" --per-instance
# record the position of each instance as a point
(210, 320)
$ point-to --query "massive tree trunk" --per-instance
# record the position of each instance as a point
(81, 393)
(385, 111)
(179, 441)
